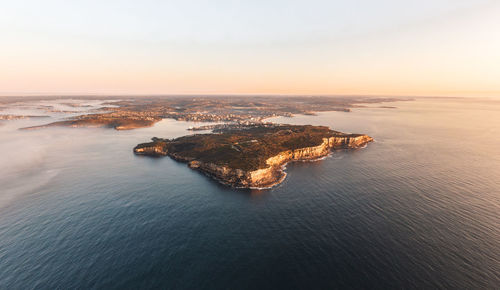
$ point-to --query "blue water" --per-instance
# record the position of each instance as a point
(419, 208)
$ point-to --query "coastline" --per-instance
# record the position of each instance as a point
(259, 178)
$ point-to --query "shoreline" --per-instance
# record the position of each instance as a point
(274, 169)
(215, 155)
(282, 170)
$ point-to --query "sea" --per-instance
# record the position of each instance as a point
(419, 208)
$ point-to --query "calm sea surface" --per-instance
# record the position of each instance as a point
(419, 208)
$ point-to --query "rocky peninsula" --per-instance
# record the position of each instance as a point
(252, 157)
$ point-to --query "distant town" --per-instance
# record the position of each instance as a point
(136, 112)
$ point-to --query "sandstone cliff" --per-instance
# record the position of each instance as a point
(274, 174)
(268, 176)
(151, 149)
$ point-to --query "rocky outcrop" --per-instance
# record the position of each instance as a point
(260, 178)
(151, 149)
(264, 177)
(274, 174)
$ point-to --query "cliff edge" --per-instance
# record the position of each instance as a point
(252, 157)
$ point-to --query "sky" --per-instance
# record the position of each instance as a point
(335, 47)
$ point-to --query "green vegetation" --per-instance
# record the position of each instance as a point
(246, 149)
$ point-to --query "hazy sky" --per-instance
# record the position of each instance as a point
(383, 47)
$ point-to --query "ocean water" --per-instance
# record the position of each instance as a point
(418, 208)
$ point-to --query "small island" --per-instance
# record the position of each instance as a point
(253, 156)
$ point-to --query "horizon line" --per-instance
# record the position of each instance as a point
(15, 95)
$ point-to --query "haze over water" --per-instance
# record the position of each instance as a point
(418, 208)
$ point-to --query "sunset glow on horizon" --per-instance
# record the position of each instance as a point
(424, 48)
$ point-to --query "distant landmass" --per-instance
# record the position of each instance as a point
(143, 112)
(252, 156)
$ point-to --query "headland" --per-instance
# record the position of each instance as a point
(254, 156)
